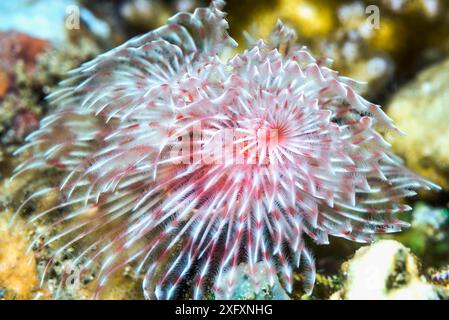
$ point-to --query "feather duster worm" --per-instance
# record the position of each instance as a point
(186, 165)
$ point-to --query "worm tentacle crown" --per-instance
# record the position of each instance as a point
(186, 165)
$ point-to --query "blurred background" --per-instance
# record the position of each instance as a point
(400, 48)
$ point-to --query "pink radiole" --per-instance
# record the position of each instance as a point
(136, 199)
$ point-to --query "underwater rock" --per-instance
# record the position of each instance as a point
(385, 270)
(420, 109)
(264, 286)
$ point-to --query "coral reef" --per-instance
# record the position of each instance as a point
(141, 199)
(30, 76)
(18, 60)
(18, 273)
(40, 43)
(22, 265)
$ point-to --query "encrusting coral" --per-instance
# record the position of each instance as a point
(153, 180)
(18, 276)
(420, 108)
(385, 270)
(31, 67)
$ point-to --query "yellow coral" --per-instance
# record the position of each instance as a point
(18, 274)
(385, 38)
(311, 18)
